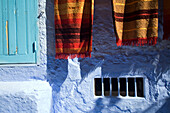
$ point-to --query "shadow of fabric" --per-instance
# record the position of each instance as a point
(57, 70)
(165, 108)
(108, 105)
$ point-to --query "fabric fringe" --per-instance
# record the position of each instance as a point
(71, 56)
(138, 42)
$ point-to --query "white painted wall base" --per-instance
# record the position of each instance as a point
(25, 97)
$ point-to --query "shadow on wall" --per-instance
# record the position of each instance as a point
(164, 109)
(108, 105)
(89, 65)
(99, 105)
(137, 62)
(57, 70)
(103, 38)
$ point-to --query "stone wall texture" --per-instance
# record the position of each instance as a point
(72, 80)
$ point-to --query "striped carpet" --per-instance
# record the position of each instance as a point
(73, 28)
(135, 22)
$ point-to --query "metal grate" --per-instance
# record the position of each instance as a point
(119, 87)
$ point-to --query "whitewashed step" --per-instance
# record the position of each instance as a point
(25, 97)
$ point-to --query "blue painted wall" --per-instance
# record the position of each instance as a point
(72, 80)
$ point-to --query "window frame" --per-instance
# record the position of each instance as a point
(119, 96)
(32, 57)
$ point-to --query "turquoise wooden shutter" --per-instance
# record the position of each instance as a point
(18, 31)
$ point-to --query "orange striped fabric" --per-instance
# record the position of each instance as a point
(135, 22)
(73, 28)
(166, 19)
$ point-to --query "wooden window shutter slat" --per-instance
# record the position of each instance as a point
(4, 26)
(1, 40)
(21, 26)
(12, 27)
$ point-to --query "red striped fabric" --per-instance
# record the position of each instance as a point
(73, 28)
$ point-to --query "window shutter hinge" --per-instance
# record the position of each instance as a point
(34, 47)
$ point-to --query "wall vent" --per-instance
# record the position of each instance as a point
(119, 87)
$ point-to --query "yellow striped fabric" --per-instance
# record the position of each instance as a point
(135, 22)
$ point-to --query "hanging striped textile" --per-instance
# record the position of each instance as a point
(135, 22)
(166, 19)
(73, 28)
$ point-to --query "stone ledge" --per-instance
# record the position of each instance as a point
(25, 97)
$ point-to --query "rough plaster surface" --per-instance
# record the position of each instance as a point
(72, 80)
(25, 97)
